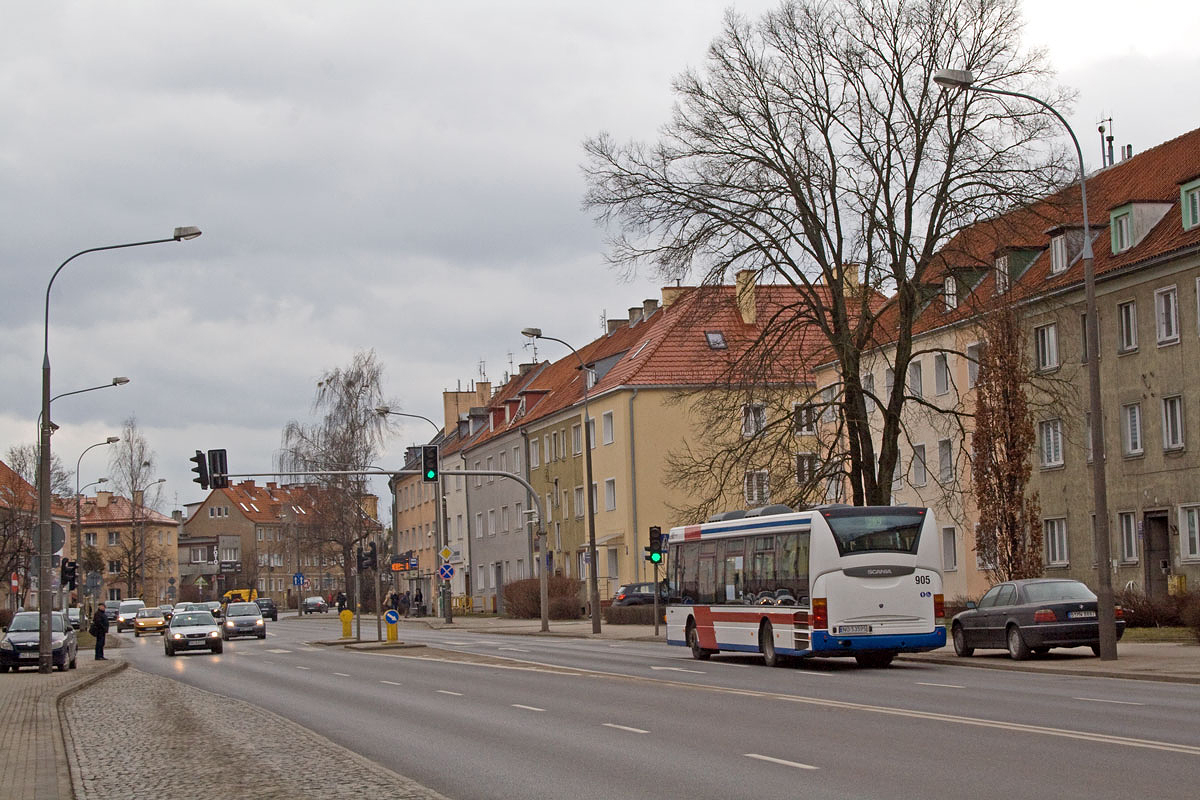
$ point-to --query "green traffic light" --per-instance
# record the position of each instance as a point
(655, 557)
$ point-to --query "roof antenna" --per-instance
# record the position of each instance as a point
(1106, 143)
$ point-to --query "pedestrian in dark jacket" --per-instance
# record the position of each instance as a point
(99, 629)
(417, 598)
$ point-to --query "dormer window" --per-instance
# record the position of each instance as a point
(950, 292)
(1058, 254)
(1122, 231)
(1001, 274)
(1190, 197)
(716, 340)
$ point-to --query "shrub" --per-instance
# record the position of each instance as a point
(632, 615)
(522, 599)
(5, 617)
(955, 605)
(1189, 613)
(1142, 611)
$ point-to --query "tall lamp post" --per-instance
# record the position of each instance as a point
(443, 533)
(965, 80)
(78, 493)
(593, 583)
(45, 651)
(142, 558)
(78, 541)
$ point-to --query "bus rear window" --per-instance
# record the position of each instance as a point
(876, 530)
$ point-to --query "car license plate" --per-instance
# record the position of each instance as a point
(197, 643)
(1081, 615)
(31, 654)
(854, 629)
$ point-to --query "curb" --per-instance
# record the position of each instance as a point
(63, 744)
(1016, 667)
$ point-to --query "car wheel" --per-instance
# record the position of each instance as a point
(693, 640)
(766, 645)
(168, 649)
(1096, 650)
(3, 668)
(262, 635)
(217, 648)
(72, 665)
(1017, 648)
(61, 667)
(960, 642)
(137, 634)
(874, 660)
(224, 637)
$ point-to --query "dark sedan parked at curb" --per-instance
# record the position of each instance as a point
(19, 647)
(638, 594)
(315, 604)
(1028, 617)
(268, 608)
(243, 619)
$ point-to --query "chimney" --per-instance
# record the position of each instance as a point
(271, 485)
(635, 315)
(616, 324)
(1126, 152)
(649, 307)
(138, 496)
(672, 293)
(745, 296)
(523, 369)
(102, 499)
(851, 278)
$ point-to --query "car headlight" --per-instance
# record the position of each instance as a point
(177, 636)
(258, 622)
(120, 619)
(229, 624)
(214, 633)
(6, 645)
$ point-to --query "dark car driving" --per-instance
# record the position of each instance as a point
(1028, 617)
(19, 647)
(314, 604)
(268, 608)
(638, 594)
(243, 619)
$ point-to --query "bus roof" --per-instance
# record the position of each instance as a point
(739, 523)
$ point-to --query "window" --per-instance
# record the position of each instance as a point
(114, 567)
(1054, 531)
(1191, 206)
(576, 439)
(478, 524)
(610, 494)
(804, 418)
(949, 550)
(941, 374)
(754, 419)
(914, 379)
(889, 383)
(828, 410)
(917, 473)
(89, 539)
(1189, 532)
(950, 292)
(606, 427)
(516, 462)
(1058, 254)
(806, 468)
(555, 446)
(715, 339)
(1121, 231)
(1166, 314)
(114, 538)
(491, 522)
(868, 387)
(1172, 419)
(1002, 275)
(504, 461)
(1046, 340)
(1128, 536)
(591, 430)
(1131, 419)
(534, 452)
(579, 501)
(504, 521)
(478, 478)
(1050, 437)
(756, 488)
(945, 462)
(974, 355)
(1127, 327)
(197, 555)
(595, 496)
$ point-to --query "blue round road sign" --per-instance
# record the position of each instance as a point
(446, 571)
(391, 617)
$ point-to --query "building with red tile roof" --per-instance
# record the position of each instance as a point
(135, 546)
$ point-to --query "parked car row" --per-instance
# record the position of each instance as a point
(19, 647)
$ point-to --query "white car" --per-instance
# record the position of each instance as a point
(192, 630)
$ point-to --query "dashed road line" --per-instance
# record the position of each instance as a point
(514, 649)
(392, 683)
(342, 674)
(681, 669)
(300, 667)
(1117, 702)
(527, 708)
(279, 651)
(782, 761)
(623, 727)
(942, 685)
(444, 691)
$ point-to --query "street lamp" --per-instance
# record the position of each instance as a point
(45, 652)
(443, 532)
(78, 461)
(593, 583)
(965, 80)
(78, 493)
(142, 554)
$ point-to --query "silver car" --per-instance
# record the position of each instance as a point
(243, 619)
(192, 630)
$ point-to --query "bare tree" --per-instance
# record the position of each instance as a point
(131, 465)
(815, 150)
(348, 436)
(1008, 539)
(23, 458)
(18, 521)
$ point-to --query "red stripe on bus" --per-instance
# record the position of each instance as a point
(705, 616)
(691, 533)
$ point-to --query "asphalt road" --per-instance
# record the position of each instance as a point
(496, 716)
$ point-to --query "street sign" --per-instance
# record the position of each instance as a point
(58, 537)
(298, 579)
(201, 582)
(16, 583)
(445, 553)
(391, 617)
(446, 571)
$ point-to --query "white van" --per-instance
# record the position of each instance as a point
(126, 612)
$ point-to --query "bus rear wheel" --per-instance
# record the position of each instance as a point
(874, 660)
(693, 640)
(766, 644)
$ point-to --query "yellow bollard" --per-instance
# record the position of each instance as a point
(347, 617)
(393, 623)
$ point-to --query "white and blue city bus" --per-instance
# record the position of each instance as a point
(861, 581)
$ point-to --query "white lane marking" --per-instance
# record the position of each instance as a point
(1118, 702)
(392, 683)
(443, 691)
(514, 649)
(680, 669)
(279, 651)
(342, 674)
(451, 641)
(942, 685)
(623, 728)
(300, 667)
(527, 708)
(795, 764)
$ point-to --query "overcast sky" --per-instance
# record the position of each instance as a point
(402, 176)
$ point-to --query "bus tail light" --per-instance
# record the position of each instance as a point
(1119, 612)
(1044, 615)
(820, 614)
(939, 607)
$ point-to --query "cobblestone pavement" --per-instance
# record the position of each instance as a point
(134, 735)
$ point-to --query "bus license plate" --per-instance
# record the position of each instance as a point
(1081, 614)
(854, 629)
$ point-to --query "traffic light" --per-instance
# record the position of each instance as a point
(655, 549)
(68, 574)
(429, 463)
(201, 470)
(218, 471)
(373, 557)
(362, 561)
